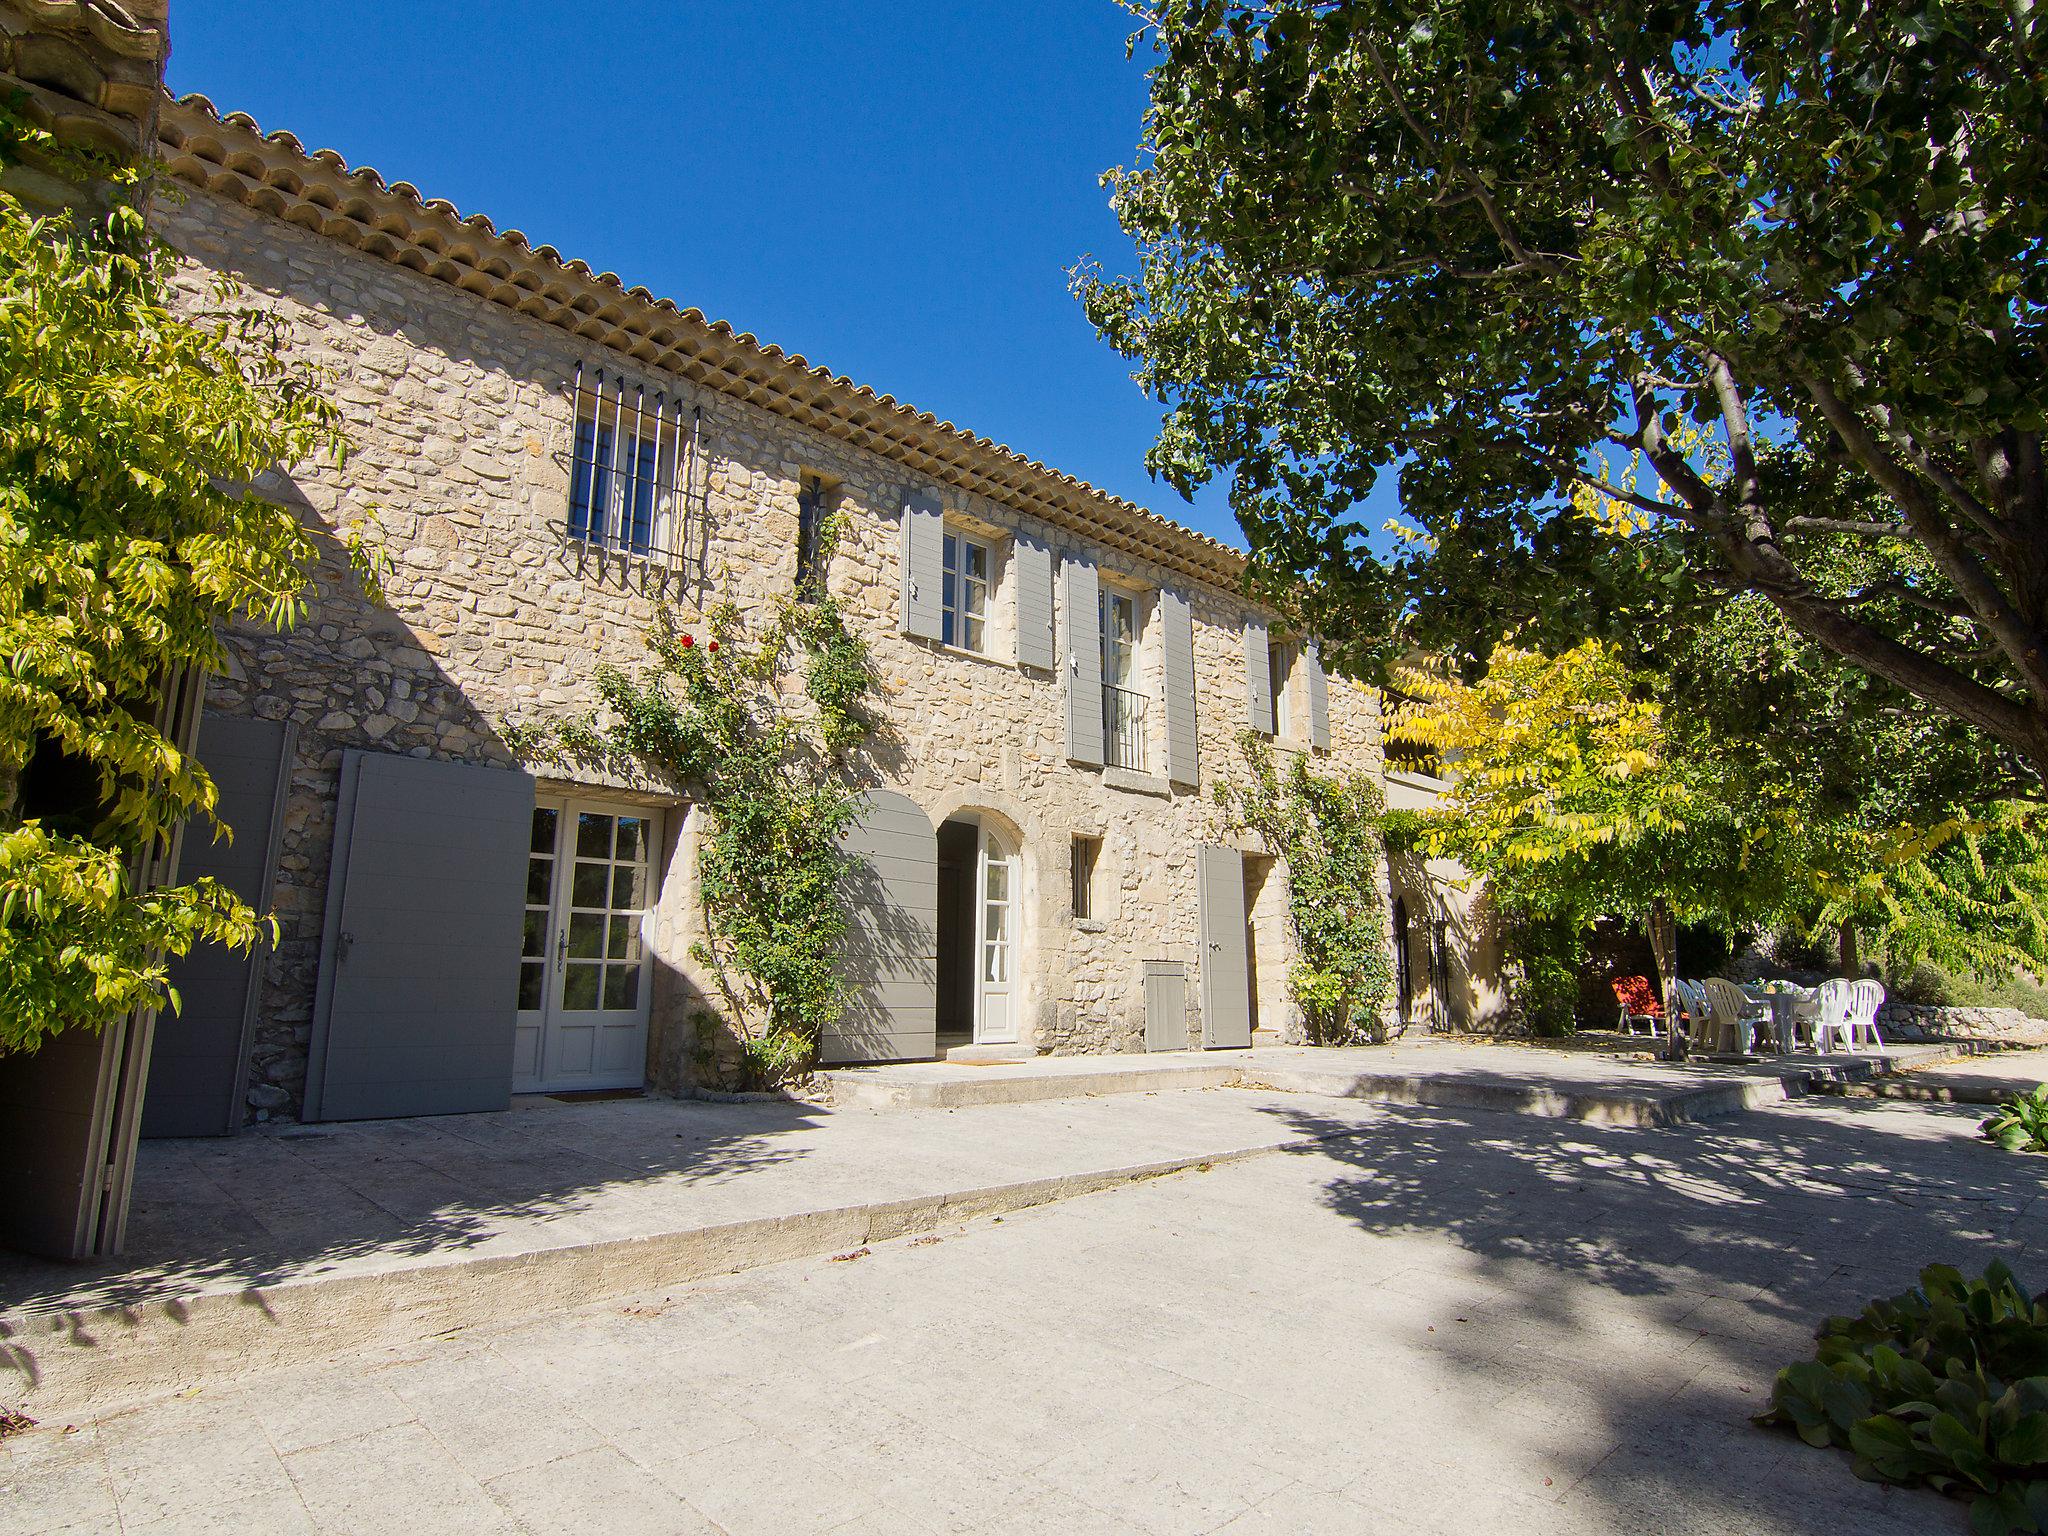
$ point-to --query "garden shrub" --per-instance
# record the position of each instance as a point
(1945, 1385)
(2021, 1124)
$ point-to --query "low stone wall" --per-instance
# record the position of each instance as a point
(1926, 1021)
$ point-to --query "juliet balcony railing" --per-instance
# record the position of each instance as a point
(1123, 727)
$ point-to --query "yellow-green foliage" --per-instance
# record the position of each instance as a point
(127, 534)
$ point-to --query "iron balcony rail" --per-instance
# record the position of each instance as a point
(1123, 727)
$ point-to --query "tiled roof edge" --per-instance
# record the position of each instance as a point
(228, 153)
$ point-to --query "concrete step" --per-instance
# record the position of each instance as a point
(986, 1055)
(958, 1085)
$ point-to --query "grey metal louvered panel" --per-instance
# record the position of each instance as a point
(890, 961)
(1226, 973)
(1258, 677)
(1177, 648)
(418, 991)
(1318, 698)
(1081, 614)
(923, 558)
(200, 1055)
(1166, 1005)
(1033, 564)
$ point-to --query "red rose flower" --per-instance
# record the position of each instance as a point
(688, 641)
(714, 645)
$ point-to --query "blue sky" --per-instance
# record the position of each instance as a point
(893, 190)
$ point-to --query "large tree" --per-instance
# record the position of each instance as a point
(130, 435)
(1770, 275)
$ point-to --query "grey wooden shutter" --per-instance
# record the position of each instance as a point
(1033, 563)
(1318, 698)
(201, 1052)
(889, 959)
(1080, 597)
(1258, 677)
(1177, 645)
(1226, 971)
(419, 967)
(923, 541)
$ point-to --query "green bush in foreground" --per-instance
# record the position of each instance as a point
(2021, 1124)
(1945, 1385)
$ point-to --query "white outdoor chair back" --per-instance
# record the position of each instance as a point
(1834, 1006)
(1865, 998)
(1735, 1016)
(1690, 1005)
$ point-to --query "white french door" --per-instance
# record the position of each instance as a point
(584, 965)
(995, 943)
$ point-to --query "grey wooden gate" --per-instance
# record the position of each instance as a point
(891, 959)
(419, 965)
(1226, 978)
(200, 1056)
(1166, 1005)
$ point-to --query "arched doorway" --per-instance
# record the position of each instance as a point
(980, 922)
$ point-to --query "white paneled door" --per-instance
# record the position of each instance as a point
(583, 968)
(995, 1007)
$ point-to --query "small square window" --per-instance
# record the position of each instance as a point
(1087, 855)
(964, 602)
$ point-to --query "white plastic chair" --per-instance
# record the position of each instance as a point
(1692, 1016)
(1736, 1017)
(1835, 1005)
(1865, 998)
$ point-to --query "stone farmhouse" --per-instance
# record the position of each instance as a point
(555, 463)
(552, 460)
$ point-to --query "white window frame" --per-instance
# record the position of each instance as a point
(964, 616)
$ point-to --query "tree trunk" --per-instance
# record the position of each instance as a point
(1852, 964)
(1663, 930)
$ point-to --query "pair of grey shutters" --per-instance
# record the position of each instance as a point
(417, 999)
(1081, 598)
(1258, 686)
(922, 558)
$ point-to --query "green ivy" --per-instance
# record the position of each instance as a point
(1946, 1384)
(780, 788)
(1329, 832)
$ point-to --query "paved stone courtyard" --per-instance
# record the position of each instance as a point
(1445, 1321)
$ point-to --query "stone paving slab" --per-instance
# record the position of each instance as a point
(1445, 1321)
(257, 1249)
(1991, 1077)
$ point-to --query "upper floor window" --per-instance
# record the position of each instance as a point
(632, 446)
(1280, 659)
(813, 506)
(965, 601)
(1124, 730)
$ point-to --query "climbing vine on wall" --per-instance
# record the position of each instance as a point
(1329, 832)
(780, 785)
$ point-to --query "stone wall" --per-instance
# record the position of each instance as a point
(459, 413)
(1927, 1021)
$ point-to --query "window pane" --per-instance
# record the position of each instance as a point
(621, 986)
(579, 987)
(629, 888)
(544, 818)
(586, 936)
(998, 880)
(632, 838)
(977, 562)
(533, 980)
(536, 934)
(539, 876)
(590, 884)
(971, 638)
(623, 942)
(593, 836)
